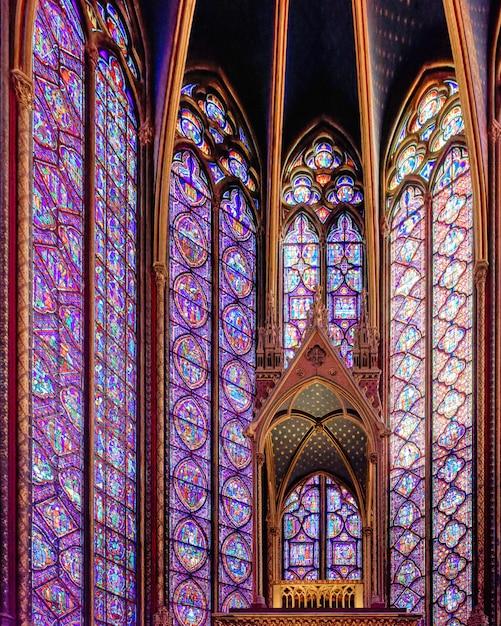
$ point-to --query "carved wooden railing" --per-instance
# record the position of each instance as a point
(312, 617)
(320, 594)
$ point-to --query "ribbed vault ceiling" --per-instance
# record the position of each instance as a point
(319, 431)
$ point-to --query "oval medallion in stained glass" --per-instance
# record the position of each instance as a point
(236, 558)
(190, 545)
(237, 271)
(190, 240)
(190, 604)
(235, 444)
(190, 300)
(190, 484)
(237, 214)
(237, 500)
(237, 386)
(190, 423)
(190, 361)
(237, 329)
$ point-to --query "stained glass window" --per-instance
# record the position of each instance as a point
(211, 529)
(322, 532)
(115, 380)
(62, 297)
(322, 200)
(58, 309)
(344, 282)
(431, 256)
(301, 278)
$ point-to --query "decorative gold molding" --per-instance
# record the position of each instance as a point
(305, 618)
(274, 183)
(23, 87)
(185, 11)
(464, 52)
(318, 594)
(370, 153)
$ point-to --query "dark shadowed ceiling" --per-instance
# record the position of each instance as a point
(236, 37)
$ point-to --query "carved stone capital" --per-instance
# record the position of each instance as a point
(23, 87)
(367, 531)
(373, 458)
(260, 459)
(274, 531)
(145, 133)
(92, 52)
(481, 268)
(478, 617)
(495, 130)
(160, 275)
(162, 617)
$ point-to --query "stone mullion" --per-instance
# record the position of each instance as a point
(23, 88)
(495, 368)
(6, 448)
(162, 468)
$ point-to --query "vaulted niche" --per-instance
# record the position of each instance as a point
(317, 471)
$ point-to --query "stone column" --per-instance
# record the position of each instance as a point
(23, 88)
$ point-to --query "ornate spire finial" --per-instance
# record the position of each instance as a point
(269, 352)
(366, 356)
(317, 314)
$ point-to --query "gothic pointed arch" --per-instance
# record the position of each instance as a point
(214, 214)
(305, 425)
(83, 455)
(431, 404)
(322, 237)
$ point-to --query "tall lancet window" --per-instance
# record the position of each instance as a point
(322, 202)
(431, 343)
(84, 395)
(212, 320)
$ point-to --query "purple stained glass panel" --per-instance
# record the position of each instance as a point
(236, 363)
(444, 235)
(190, 397)
(301, 278)
(344, 534)
(301, 532)
(57, 324)
(407, 394)
(115, 389)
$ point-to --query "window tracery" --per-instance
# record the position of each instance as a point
(64, 292)
(322, 202)
(431, 338)
(213, 200)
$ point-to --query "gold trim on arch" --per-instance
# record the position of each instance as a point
(463, 45)
(167, 135)
(370, 155)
